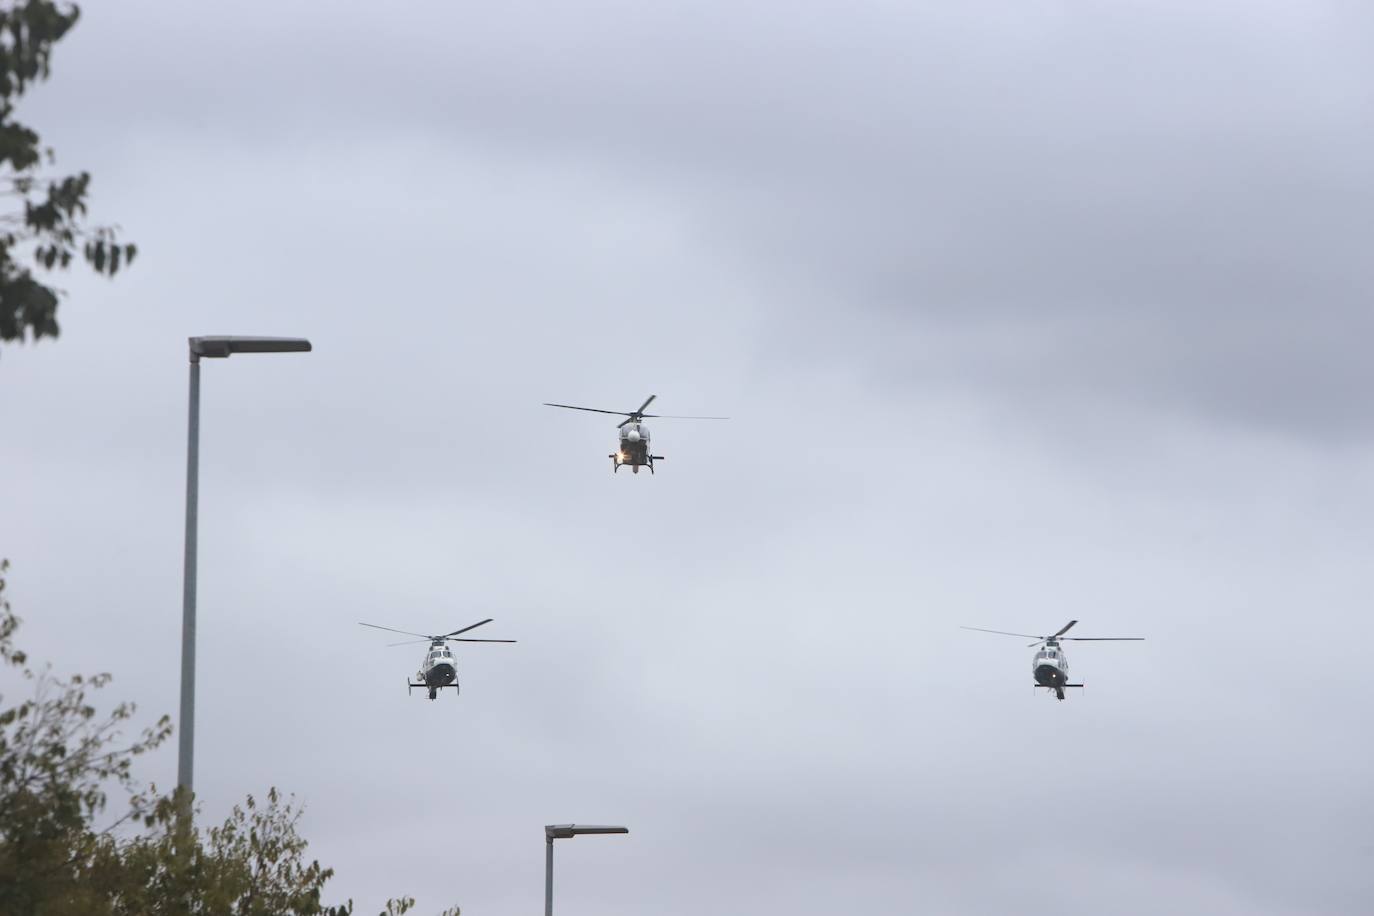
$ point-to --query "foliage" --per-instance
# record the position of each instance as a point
(60, 762)
(47, 222)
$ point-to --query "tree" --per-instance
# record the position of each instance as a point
(59, 763)
(46, 226)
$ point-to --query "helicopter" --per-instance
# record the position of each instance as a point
(437, 671)
(1051, 666)
(634, 447)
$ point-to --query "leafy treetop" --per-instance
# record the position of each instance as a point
(59, 763)
(45, 226)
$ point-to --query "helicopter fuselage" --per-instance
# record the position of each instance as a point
(437, 671)
(1050, 668)
(634, 450)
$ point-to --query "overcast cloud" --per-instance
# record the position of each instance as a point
(1022, 312)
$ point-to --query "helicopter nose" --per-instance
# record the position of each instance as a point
(633, 435)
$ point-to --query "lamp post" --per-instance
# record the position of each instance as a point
(562, 832)
(217, 347)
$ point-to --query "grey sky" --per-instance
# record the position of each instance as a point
(1023, 312)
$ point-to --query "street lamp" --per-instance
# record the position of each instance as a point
(563, 832)
(217, 347)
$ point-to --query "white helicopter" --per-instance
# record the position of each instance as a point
(1051, 666)
(437, 671)
(634, 435)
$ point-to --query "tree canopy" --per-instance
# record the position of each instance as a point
(79, 834)
(45, 228)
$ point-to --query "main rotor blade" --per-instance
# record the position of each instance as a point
(393, 630)
(647, 402)
(465, 629)
(618, 413)
(673, 416)
(408, 642)
(1004, 633)
(1105, 638)
(481, 640)
(1068, 626)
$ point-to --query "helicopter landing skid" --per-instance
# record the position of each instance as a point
(433, 691)
(1058, 691)
(616, 464)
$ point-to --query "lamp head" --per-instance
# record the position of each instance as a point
(567, 831)
(220, 346)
